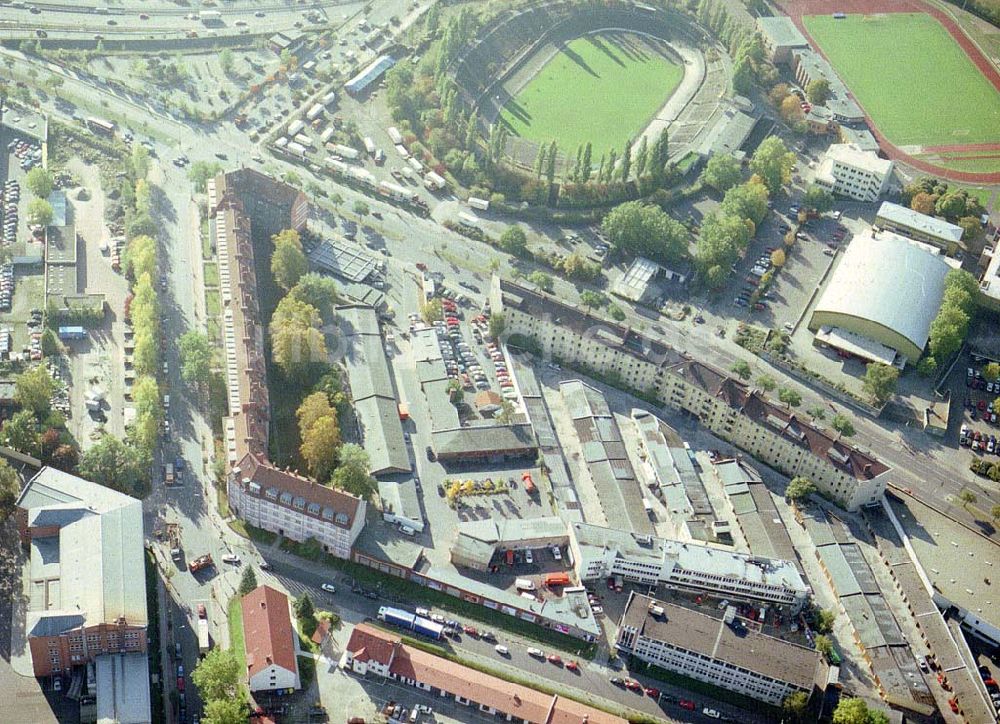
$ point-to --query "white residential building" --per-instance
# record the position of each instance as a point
(269, 641)
(848, 171)
(294, 507)
(602, 552)
(722, 652)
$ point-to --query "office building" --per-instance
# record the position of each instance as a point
(721, 651)
(848, 171)
(780, 37)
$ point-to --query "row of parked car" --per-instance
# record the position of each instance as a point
(6, 287)
(978, 441)
(11, 197)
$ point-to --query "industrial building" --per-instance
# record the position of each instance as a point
(479, 541)
(602, 552)
(920, 227)
(808, 65)
(749, 420)
(720, 651)
(848, 171)
(882, 298)
(269, 641)
(371, 73)
(86, 591)
(377, 652)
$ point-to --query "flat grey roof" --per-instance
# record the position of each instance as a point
(780, 32)
(343, 259)
(123, 689)
(911, 219)
(484, 440)
(702, 634)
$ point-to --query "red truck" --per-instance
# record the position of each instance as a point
(200, 562)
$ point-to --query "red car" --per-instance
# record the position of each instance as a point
(686, 704)
(555, 659)
(572, 666)
(652, 692)
(633, 685)
(471, 630)
(180, 683)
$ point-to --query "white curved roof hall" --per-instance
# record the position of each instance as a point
(890, 281)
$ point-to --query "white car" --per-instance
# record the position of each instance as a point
(329, 588)
(502, 650)
(231, 558)
(537, 653)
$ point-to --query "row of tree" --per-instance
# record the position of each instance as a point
(950, 326)
(931, 196)
(36, 429)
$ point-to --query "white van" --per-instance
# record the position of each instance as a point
(406, 530)
(523, 584)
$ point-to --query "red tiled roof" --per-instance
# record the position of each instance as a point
(267, 476)
(267, 630)
(503, 696)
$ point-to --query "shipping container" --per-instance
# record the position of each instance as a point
(434, 181)
(295, 127)
(345, 151)
(297, 148)
(315, 112)
(401, 150)
(557, 579)
(72, 333)
(394, 135)
(329, 98)
(369, 145)
(327, 134)
(469, 220)
(481, 204)
(303, 140)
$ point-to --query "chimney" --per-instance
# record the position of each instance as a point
(868, 469)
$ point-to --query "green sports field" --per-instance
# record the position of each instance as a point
(911, 77)
(603, 89)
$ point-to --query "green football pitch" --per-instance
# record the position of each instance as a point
(911, 77)
(601, 89)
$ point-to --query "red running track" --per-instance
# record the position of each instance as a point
(795, 9)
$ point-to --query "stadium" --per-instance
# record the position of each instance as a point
(599, 74)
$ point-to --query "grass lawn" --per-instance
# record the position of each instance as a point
(911, 77)
(213, 303)
(600, 88)
(211, 274)
(236, 631)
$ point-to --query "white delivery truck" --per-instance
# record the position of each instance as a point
(394, 135)
(369, 145)
(481, 204)
(434, 181)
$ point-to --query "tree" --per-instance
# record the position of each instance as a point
(791, 111)
(747, 201)
(288, 262)
(766, 383)
(637, 228)
(742, 369)
(10, 488)
(778, 258)
(319, 447)
(796, 705)
(115, 464)
(140, 161)
(226, 711)
(641, 157)
(818, 412)
(303, 606)
(540, 160)
(217, 676)
(800, 488)
(141, 256)
(541, 280)
(856, 711)
(592, 299)
(360, 208)
(818, 90)
(550, 163)
(995, 513)
(790, 397)
(497, 324)
(314, 407)
(20, 432)
(842, 424)
(318, 291)
(196, 358)
(201, 171)
(823, 620)
(818, 199)
(923, 203)
(352, 474)
(626, 164)
(514, 241)
(824, 645)
(39, 182)
(33, 390)
(296, 339)
(968, 498)
(948, 330)
(248, 582)
(722, 172)
(721, 240)
(972, 229)
(39, 212)
(432, 311)
(226, 61)
(773, 163)
(880, 381)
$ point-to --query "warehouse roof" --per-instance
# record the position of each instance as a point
(890, 281)
(484, 440)
(896, 214)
